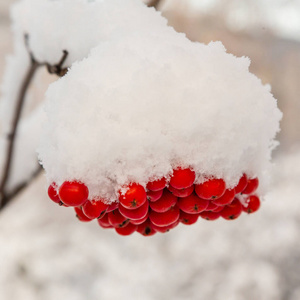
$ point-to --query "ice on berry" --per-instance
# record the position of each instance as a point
(146, 101)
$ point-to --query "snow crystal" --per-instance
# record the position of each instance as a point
(147, 100)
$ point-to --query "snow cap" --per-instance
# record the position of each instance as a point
(147, 100)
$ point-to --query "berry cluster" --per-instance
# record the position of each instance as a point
(163, 205)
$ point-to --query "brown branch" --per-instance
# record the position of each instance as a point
(57, 69)
(12, 135)
(19, 188)
(153, 3)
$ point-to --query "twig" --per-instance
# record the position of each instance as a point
(34, 65)
(9, 196)
(153, 3)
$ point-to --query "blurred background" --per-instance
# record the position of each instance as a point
(46, 253)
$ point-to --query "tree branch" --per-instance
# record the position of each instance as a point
(57, 69)
(153, 3)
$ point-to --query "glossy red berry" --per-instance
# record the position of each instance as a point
(209, 215)
(192, 204)
(140, 221)
(166, 218)
(211, 206)
(183, 192)
(80, 215)
(73, 193)
(252, 204)
(182, 178)
(115, 219)
(211, 189)
(251, 187)
(241, 184)
(218, 208)
(163, 204)
(104, 223)
(227, 198)
(232, 210)
(188, 219)
(146, 228)
(134, 197)
(112, 207)
(164, 229)
(53, 193)
(94, 208)
(157, 185)
(154, 196)
(127, 230)
(135, 214)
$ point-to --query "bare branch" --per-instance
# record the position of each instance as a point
(153, 3)
(11, 137)
(10, 196)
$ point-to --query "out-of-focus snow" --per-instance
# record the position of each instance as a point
(149, 100)
(78, 25)
(281, 17)
(46, 253)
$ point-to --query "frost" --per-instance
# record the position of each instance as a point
(147, 100)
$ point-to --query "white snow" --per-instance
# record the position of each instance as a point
(78, 25)
(138, 101)
(48, 254)
(147, 100)
(52, 26)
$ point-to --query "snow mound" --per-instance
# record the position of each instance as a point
(148, 100)
(78, 25)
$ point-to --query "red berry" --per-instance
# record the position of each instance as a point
(157, 185)
(53, 194)
(134, 197)
(218, 208)
(135, 214)
(127, 230)
(251, 187)
(116, 219)
(73, 193)
(80, 215)
(209, 215)
(138, 222)
(211, 206)
(242, 184)
(94, 208)
(103, 222)
(188, 219)
(227, 198)
(154, 196)
(192, 204)
(112, 207)
(182, 178)
(232, 210)
(164, 229)
(166, 218)
(146, 228)
(252, 204)
(211, 189)
(183, 192)
(163, 204)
